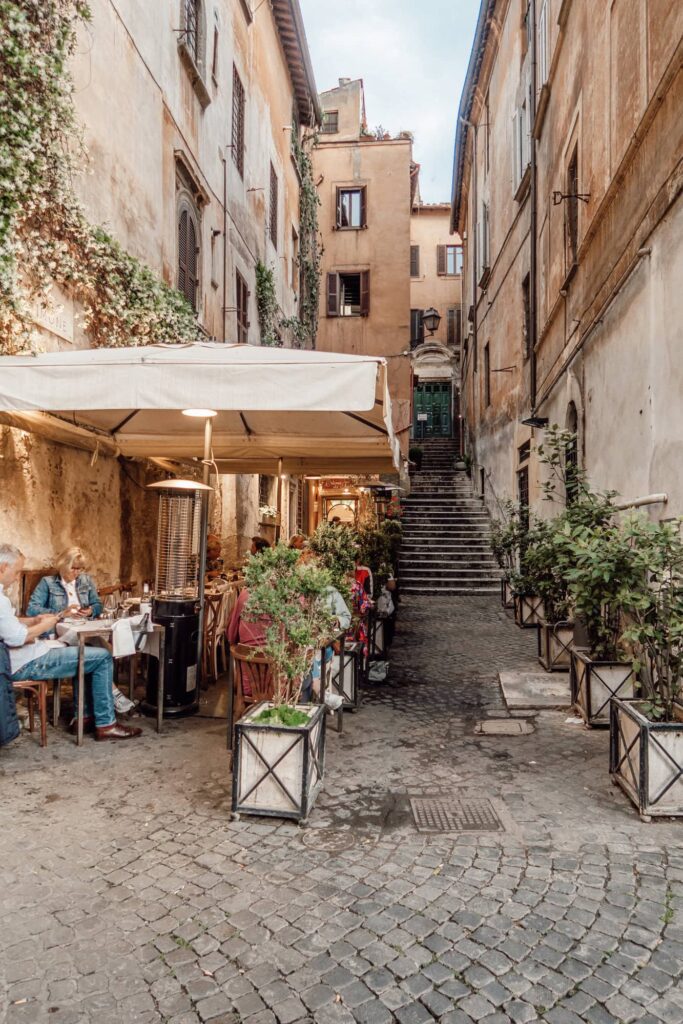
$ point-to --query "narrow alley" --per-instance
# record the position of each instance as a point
(137, 899)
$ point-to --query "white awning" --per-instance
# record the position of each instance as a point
(319, 412)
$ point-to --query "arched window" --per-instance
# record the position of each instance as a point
(188, 254)
(571, 459)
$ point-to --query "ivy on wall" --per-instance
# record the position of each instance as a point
(45, 237)
(267, 305)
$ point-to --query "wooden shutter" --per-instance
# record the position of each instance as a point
(441, 260)
(365, 293)
(192, 254)
(458, 326)
(363, 207)
(415, 261)
(450, 327)
(182, 252)
(332, 295)
(273, 205)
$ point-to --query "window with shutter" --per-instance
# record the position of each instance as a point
(330, 122)
(526, 309)
(273, 205)
(351, 208)
(415, 261)
(572, 207)
(487, 375)
(237, 121)
(441, 260)
(365, 293)
(417, 330)
(242, 305)
(543, 44)
(332, 295)
(450, 326)
(192, 22)
(188, 256)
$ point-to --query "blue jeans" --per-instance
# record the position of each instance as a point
(62, 663)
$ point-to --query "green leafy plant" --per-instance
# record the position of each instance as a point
(304, 327)
(336, 546)
(267, 306)
(416, 454)
(653, 606)
(379, 546)
(45, 237)
(291, 593)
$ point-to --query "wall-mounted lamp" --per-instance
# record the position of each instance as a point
(536, 421)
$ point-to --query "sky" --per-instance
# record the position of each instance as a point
(412, 56)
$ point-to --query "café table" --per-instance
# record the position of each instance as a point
(79, 633)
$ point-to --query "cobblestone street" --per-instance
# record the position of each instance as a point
(129, 895)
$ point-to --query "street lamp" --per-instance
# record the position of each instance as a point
(431, 320)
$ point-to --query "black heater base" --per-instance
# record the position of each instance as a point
(151, 710)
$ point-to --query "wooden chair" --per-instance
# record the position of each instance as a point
(213, 621)
(35, 690)
(253, 679)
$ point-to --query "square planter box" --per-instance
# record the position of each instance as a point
(528, 610)
(595, 683)
(277, 769)
(377, 644)
(554, 645)
(646, 759)
(346, 683)
(506, 595)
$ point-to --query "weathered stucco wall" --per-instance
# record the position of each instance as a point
(429, 228)
(52, 497)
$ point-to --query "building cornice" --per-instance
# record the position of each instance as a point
(481, 37)
(290, 26)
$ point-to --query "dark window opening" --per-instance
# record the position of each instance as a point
(214, 58)
(242, 304)
(415, 261)
(524, 451)
(330, 122)
(348, 294)
(571, 459)
(523, 497)
(417, 329)
(237, 121)
(273, 205)
(351, 208)
(263, 490)
(573, 206)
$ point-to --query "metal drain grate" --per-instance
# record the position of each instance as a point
(444, 814)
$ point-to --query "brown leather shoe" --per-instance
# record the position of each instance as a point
(88, 725)
(116, 732)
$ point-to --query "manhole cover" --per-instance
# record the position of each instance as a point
(444, 814)
(503, 727)
(329, 840)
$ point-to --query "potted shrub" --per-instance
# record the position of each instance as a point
(506, 534)
(604, 571)
(280, 743)
(268, 515)
(415, 455)
(646, 734)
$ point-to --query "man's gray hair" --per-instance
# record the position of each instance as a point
(9, 554)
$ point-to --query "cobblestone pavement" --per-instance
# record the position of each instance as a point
(128, 895)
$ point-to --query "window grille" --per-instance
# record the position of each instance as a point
(192, 15)
(242, 304)
(237, 121)
(188, 252)
(273, 205)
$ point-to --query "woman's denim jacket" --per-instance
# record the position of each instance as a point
(50, 597)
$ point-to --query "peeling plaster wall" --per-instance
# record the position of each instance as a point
(52, 497)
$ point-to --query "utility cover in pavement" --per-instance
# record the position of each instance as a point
(445, 814)
(504, 727)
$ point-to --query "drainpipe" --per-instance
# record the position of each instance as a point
(533, 218)
(475, 200)
(224, 304)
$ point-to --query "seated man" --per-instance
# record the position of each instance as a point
(32, 658)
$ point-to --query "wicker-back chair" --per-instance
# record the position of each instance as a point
(253, 678)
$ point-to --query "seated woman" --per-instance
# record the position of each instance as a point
(73, 589)
(70, 588)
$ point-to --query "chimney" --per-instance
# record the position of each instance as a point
(344, 81)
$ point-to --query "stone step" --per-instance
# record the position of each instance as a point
(449, 591)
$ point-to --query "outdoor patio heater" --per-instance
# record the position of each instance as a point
(176, 603)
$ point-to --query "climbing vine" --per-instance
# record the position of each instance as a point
(45, 237)
(305, 329)
(267, 306)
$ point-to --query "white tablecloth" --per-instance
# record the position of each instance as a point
(69, 632)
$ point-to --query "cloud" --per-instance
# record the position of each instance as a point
(412, 57)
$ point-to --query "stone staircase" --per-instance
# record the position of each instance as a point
(446, 540)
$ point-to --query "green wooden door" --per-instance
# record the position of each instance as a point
(432, 410)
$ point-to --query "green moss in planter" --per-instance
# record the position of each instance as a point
(282, 715)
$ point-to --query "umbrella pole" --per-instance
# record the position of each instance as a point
(278, 528)
(208, 434)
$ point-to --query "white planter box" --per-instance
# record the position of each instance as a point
(507, 596)
(278, 770)
(528, 610)
(554, 645)
(346, 684)
(646, 759)
(595, 683)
